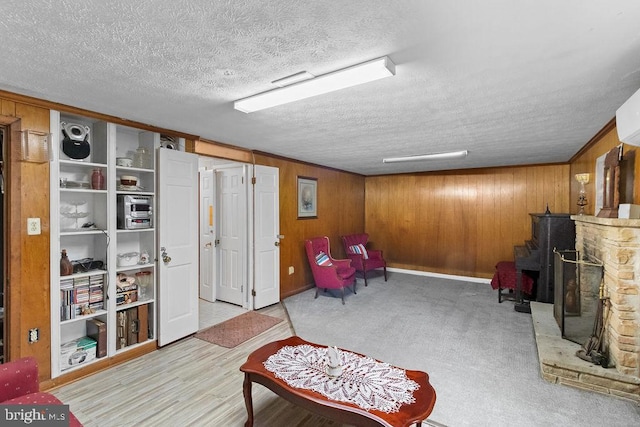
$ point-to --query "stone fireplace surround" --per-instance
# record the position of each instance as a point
(616, 243)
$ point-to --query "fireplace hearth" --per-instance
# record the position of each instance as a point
(615, 244)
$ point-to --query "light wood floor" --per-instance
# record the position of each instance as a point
(187, 383)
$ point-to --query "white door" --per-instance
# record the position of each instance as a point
(207, 236)
(267, 239)
(231, 201)
(177, 250)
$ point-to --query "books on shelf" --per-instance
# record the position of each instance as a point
(78, 294)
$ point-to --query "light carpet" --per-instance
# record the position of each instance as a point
(238, 329)
(481, 356)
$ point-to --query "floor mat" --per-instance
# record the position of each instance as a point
(237, 330)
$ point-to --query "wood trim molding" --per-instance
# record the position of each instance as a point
(289, 159)
(28, 100)
(225, 151)
(593, 141)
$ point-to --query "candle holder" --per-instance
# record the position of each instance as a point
(582, 178)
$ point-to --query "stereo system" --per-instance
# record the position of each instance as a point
(135, 212)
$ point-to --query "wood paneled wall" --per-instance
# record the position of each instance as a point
(27, 270)
(585, 162)
(340, 211)
(461, 222)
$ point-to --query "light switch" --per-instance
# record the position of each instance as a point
(291, 270)
(33, 226)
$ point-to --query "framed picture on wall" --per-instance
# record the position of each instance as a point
(307, 197)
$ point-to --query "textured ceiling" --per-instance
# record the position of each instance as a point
(513, 82)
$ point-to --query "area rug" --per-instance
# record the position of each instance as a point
(237, 330)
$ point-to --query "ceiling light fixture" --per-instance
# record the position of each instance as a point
(435, 156)
(336, 80)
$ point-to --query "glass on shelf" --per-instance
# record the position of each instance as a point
(142, 158)
(72, 211)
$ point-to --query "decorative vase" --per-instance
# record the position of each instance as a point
(97, 180)
(66, 268)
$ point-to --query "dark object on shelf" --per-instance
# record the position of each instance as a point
(97, 330)
(611, 184)
(548, 231)
(76, 140)
(86, 264)
(66, 268)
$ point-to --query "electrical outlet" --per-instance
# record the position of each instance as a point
(33, 226)
(291, 270)
(34, 335)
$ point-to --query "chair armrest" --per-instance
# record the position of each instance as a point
(374, 253)
(356, 260)
(341, 263)
(18, 378)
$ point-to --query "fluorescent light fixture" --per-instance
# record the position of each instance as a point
(336, 80)
(435, 156)
(294, 78)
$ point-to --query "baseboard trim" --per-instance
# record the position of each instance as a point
(440, 275)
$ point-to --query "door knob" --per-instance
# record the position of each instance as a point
(207, 245)
(165, 258)
(277, 243)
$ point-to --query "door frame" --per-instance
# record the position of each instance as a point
(206, 162)
(206, 244)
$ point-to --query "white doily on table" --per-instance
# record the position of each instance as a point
(364, 382)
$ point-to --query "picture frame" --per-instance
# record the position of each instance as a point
(307, 197)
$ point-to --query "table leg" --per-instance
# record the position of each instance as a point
(246, 389)
(520, 305)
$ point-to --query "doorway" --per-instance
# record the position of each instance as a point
(239, 240)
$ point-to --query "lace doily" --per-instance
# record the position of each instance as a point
(364, 382)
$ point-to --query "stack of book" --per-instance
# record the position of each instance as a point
(81, 292)
(96, 286)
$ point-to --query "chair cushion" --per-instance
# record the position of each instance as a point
(323, 259)
(359, 249)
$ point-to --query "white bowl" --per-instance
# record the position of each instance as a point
(124, 161)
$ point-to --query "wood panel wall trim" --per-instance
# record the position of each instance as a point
(596, 138)
(469, 171)
(210, 148)
(301, 162)
(28, 100)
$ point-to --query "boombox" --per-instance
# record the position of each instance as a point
(75, 143)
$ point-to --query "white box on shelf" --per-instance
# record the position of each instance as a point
(77, 352)
(628, 211)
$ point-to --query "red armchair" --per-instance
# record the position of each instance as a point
(19, 385)
(328, 273)
(362, 259)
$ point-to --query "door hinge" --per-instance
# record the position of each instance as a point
(253, 292)
(253, 180)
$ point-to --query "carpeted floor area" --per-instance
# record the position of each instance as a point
(481, 356)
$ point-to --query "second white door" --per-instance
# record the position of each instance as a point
(231, 244)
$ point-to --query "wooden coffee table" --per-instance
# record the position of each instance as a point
(345, 412)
